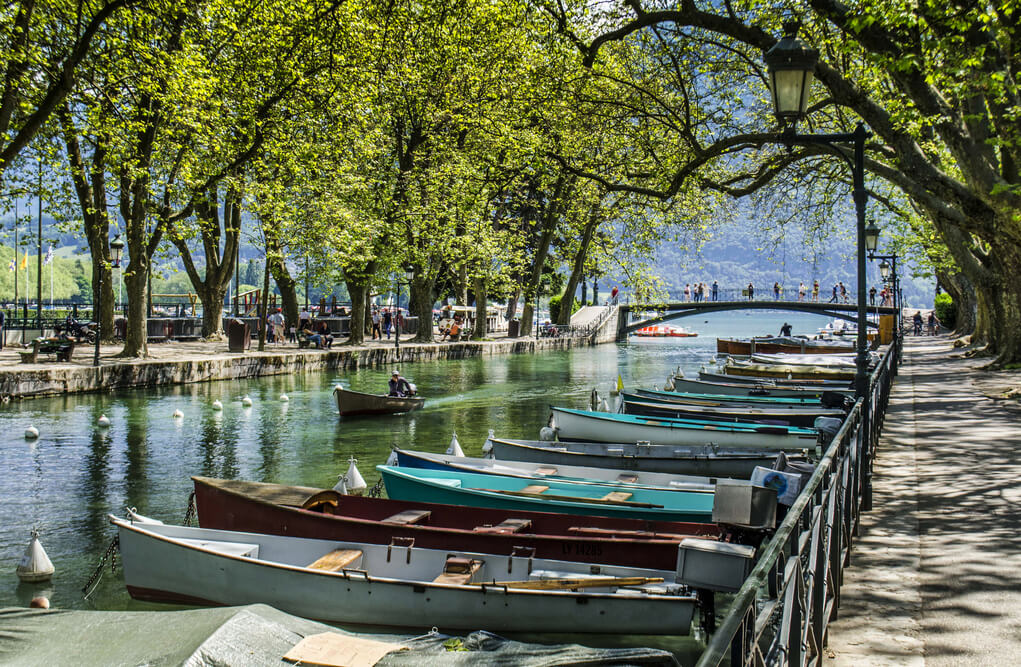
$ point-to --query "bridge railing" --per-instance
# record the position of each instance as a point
(781, 613)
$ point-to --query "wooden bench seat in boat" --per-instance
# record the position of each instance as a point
(409, 517)
(617, 496)
(336, 560)
(506, 526)
(534, 488)
(545, 470)
(458, 571)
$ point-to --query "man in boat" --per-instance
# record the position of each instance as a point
(399, 386)
(785, 330)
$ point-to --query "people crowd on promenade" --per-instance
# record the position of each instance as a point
(699, 292)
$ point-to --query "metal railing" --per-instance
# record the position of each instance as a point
(781, 613)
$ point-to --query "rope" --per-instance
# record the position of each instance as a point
(192, 510)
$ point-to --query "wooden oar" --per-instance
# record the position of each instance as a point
(554, 584)
(574, 499)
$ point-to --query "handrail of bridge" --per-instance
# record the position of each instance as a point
(780, 614)
(592, 328)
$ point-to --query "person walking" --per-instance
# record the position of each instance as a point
(376, 321)
(815, 291)
(801, 291)
(387, 322)
(751, 291)
(916, 321)
(716, 291)
(933, 323)
(776, 291)
(687, 292)
(872, 295)
(836, 292)
(843, 292)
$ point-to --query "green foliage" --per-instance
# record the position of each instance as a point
(945, 310)
(554, 307)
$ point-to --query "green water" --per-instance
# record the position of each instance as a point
(66, 482)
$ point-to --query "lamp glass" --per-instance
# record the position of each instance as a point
(884, 269)
(871, 237)
(791, 64)
(116, 246)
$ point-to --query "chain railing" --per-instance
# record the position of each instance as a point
(780, 615)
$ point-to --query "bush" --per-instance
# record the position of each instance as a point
(554, 307)
(945, 310)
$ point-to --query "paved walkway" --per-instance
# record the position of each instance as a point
(935, 577)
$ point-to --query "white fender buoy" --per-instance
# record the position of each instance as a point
(178, 414)
(217, 405)
(341, 485)
(392, 459)
(284, 398)
(603, 406)
(31, 433)
(247, 402)
(355, 482)
(103, 421)
(669, 385)
(547, 434)
(487, 446)
(35, 565)
(454, 449)
(39, 602)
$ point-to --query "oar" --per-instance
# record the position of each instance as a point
(554, 584)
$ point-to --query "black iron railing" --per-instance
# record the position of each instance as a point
(780, 615)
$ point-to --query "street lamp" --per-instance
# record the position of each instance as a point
(871, 237)
(791, 65)
(408, 273)
(884, 269)
(116, 246)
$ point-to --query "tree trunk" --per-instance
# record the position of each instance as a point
(136, 285)
(282, 277)
(422, 301)
(512, 304)
(1005, 332)
(358, 289)
(567, 299)
(960, 290)
(481, 306)
(264, 305)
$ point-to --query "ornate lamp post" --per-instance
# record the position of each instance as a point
(116, 246)
(887, 270)
(791, 65)
(409, 274)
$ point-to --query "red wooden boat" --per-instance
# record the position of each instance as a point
(278, 509)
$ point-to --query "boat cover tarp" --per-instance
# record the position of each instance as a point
(252, 635)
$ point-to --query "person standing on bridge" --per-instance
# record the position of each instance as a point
(801, 291)
(843, 292)
(776, 291)
(872, 295)
(687, 292)
(836, 291)
(815, 290)
(613, 295)
(751, 291)
(716, 291)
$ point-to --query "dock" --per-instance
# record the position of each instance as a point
(935, 574)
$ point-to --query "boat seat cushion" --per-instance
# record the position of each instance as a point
(336, 560)
(534, 488)
(545, 470)
(409, 517)
(617, 496)
(458, 571)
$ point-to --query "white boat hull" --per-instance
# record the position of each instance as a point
(194, 565)
(575, 427)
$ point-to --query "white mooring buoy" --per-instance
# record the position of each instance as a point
(355, 482)
(487, 446)
(284, 398)
(35, 565)
(217, 405)
(341, 485)
(392, 459)
(103, 421)
(31, 433)
(454, 449)
(178, 414)
(247, 402)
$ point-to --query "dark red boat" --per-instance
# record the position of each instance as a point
(300, 511)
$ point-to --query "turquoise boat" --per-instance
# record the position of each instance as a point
(454, 487)
(728, 399)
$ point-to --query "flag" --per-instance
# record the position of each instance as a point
(49, 256)
(24, 261)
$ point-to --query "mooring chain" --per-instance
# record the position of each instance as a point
(189, 514)
(377, 490)
(110, 555)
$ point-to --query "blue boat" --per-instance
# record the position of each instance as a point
(501, 492)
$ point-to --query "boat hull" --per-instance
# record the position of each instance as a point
(789, 372)
(577, 425)
(260, 507)
(760, 414)
(708, 461)
(171, 564)
(771, 345)
(353, 403)
(682, 385)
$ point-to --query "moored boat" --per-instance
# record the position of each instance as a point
(763, 414)
(755, 389)
(784, 344)
(586, 425)
(351, 403)
(298, 511)
(664, 331)
(539, 471)
(454, 487)
(693, 460)
(399, 584)
(724, 399)
(787, 371)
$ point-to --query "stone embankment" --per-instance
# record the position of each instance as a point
(184, 363)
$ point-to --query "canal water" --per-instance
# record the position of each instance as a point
(65, 483)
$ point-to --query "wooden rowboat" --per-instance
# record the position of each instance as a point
(453, 487)
(356, 403)
(762, 414)
(399, 584)
(278, 509)
(787, 371)
(585, 425)
(737, 388)
(784, 344)
(693, 460)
